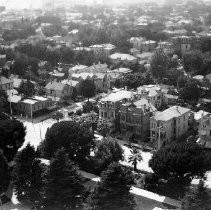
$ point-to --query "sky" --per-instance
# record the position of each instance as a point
(19, 4)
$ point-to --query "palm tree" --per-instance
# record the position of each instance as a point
(134, 158)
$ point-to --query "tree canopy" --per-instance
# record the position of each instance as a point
(4, 174)
(12, 133)
(28, 175)
(75, 138)
(27, 89)
(113, 192)
(64, 186)
(190, 92)
(159, 64)
(197, 198)
(87, 88)
(180, 160)
(108, 150)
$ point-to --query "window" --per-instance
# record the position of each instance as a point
(105, 114)
(101, 114)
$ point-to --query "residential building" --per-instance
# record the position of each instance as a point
(204, 130)
(166, 46)
(58, 91)
(109, 106)
(168, 125)
(135, 118)
(153, 93)
(5, 84)
(30, 106)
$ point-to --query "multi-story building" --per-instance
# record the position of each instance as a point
(110, 105)
(58, 91)
(168, 125)
(167, 47)
(137, 42)
(153, 93)
(6, 84)
(204, 130)
(135, 118)
(185, 43)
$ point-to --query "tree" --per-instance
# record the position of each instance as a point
(75, 138)
(28, 179)
(113, 192)
(87, 88)
(12, 133)
(3, 101)
(108, 150)
(180, 161)
(191, 91)
(103, 127)
(197, 199)
(64, 186)
(134, 158)
(27, 89)
(57, 116)
(159, 64)
(193, 61)
(4, 174)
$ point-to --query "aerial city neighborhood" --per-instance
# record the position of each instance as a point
(106, 105)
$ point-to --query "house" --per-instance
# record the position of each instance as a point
(31, 106)
(5, 84)
(153, 93)
(109, 106)
(2, 60)
(135, 118)
(58, 91)
(204, 131)
(167, 47)
(76, 69)
(199, 78)
(168, 125)
(148, 46)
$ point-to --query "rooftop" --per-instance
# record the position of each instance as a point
(122, 56)
(170, 113)
(55, 86)
(118, 96)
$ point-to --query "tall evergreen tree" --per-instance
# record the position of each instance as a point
(28, 176)
(64, 187)
(113, 192)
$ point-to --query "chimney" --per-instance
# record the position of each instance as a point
(126, 88)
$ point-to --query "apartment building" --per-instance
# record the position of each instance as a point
(135, 118)
(168, 125)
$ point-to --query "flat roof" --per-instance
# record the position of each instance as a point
(29, 101)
